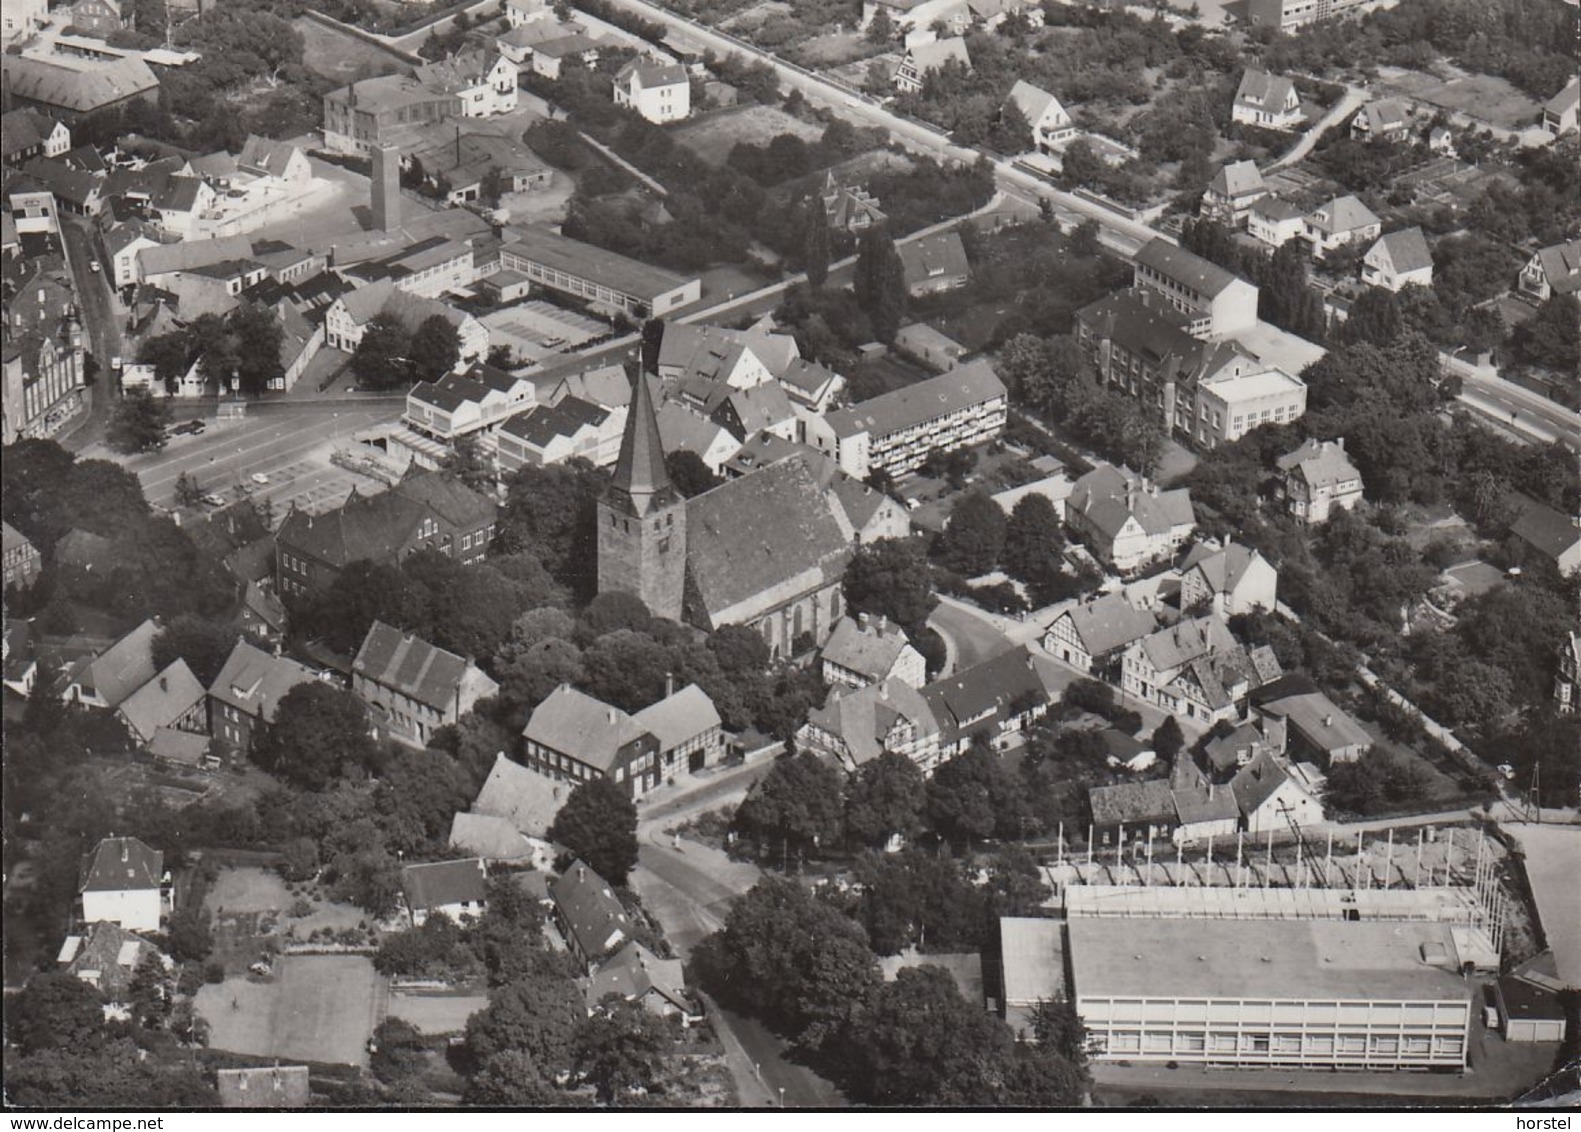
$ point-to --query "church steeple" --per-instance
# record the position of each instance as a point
(642, 517)
(641, 483)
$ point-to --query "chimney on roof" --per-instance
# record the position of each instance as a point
(862, 621)
(1339, 442)
(883, 623)
(611, 715)
(164, 683)
(669, 684)
(126, 852)
(581, 872)
(1328, 719)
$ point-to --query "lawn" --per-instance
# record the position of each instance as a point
(314, 1008)
(254, 911)
(1486, 98)
(713, 136)
(339, 56)
(436, 1013)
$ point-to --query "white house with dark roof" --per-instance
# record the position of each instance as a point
(1271, 798)
(1560, 111)
(934, 263)
(348, 316)
(1318, 477)
(660, 92)
(1398, 259)
(869, 650)
(485, 82)
(1091, 635)
(467, 403)
(1218, 302)
(1125, 520)
(1229, 197)
(923, 59)
(1554, 270)
(413, 687)
(1274, 221)
(456, 889)
(1229, 578)
(1388, 119)
(108, 679)
(1051, 123)
(1265, 100)
(1342, 221)
(870, 514)
(553, 434)
(124, 881)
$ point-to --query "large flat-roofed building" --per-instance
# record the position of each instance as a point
(1228, 409)
(1316, 994)
(1287, 15)
(606, 279)
(361, 116)
(896, 431)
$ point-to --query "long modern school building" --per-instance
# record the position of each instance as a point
(1304, 993)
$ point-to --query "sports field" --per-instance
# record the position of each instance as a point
(314, 1008)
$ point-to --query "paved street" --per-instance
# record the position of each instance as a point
(1516, 406)
(290, 444)
(101, 320)
(689, 890)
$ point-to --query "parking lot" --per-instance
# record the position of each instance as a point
(280, 453)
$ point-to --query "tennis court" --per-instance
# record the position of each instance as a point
(314, 1008)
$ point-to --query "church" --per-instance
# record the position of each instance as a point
(766, 551)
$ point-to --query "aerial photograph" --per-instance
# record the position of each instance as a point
(804, 555)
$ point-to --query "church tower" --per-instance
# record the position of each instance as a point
(642, 518)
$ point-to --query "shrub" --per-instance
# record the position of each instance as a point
(214, 972)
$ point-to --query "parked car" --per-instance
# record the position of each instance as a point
(93, 266)
(259, 478)
(214, 500)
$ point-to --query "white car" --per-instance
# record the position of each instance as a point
(259, 478)
(93, 266)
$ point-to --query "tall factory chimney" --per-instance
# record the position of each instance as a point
(386, 187)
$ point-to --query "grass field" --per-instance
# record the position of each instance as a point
(437, 1013)
(315, 1008)
(713, 136)
(1486, 98)
(336, 55)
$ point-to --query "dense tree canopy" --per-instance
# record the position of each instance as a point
(598, 824)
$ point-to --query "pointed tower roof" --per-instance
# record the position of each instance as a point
(641, 484)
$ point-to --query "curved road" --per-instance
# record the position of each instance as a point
(1125, 234)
